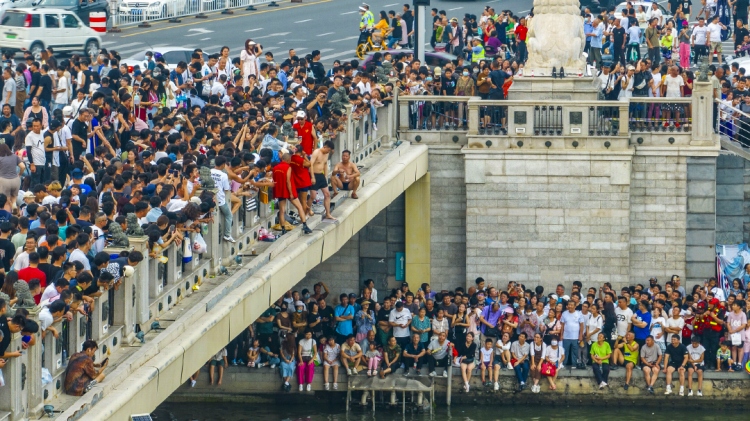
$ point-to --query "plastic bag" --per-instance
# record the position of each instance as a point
(187, 252)
(199, 244)
(46, 377)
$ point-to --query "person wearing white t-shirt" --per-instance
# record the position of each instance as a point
(674, 84)
(655, 12)
(714, 30)
(223, 189)
(62, 93)
(674, 325)
(624, 314)
(699, 40)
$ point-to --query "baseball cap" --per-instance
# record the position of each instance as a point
(76, 173)
(300, 114)
(28, 194)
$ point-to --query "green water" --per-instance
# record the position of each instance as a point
(321, 412)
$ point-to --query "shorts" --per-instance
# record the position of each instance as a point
(716, 46)
(345, 186)
(215, 363)
(486, 364)
(303, 189)
(320, 182)
(335, 363)
(676, 367)
(696, 367)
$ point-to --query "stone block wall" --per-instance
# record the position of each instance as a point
(369, 254)
(548, 218)
(702, 208)
(448, 218)
(658, 206)
(730, 199)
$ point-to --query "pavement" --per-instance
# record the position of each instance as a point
(331, 26)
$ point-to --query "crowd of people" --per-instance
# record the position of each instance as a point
(655, 330)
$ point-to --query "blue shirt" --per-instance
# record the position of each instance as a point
(642, 332)
(596, 40)
(344, 328)
(174, 75)
(588, 28)
(282, 78)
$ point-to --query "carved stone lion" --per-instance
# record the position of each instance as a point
(119, 239)
(134, 229)
(206, 181)
(555, 38)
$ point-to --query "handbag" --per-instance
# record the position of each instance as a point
(548, 369)
(736, 339)
(492, 331)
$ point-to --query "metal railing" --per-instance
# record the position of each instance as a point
(139, 12)
(437, 112)
(493, 120)
(733, 126)
(660, 115)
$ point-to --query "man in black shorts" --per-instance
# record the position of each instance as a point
(675, 359)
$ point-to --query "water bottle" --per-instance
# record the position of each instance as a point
(137, 99)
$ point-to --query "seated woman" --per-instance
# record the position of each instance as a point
(81, 374)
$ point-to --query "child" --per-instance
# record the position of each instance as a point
(487, 361)
(724, 358)
(666, 45)
(373, 357)
(331, 359)
(253, 354)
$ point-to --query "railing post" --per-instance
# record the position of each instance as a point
(212, 240)
(139, 280)
(473, 115)
(403, 116)
(35, 394)
(624, 120)
(13, 397)
(703, 108)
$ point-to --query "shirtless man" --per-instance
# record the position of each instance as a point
(318, 163)
(345, 176)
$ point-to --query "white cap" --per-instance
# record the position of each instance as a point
(362, 9)
(301, 114)
(67, 111)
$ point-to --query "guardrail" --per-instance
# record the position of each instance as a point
(141, 13)
(660, 115)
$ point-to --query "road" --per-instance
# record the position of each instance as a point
(330, 26)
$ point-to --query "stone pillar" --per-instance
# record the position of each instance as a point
(403, 116)
(700, 252)
(15, 392)
(100, 317)
(624, 128)
(730, 197)
(33, 375)
(417, 229)
(140, 279)
(703, 102)
(473, 116)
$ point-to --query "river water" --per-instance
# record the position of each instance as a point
(267, 412)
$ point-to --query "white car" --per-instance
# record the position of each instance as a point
(172, 55)
(153, 9)
(36, 29)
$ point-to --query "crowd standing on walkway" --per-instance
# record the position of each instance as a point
(655, 330)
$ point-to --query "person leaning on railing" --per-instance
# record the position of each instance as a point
(82, 374)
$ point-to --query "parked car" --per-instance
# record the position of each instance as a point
(80, 8)
(153, 9)
(172, 55)
(38, 28)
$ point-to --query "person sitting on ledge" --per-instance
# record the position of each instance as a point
(81, 374)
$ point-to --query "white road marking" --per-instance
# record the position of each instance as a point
(304, 20)
(253, 30)
(343, 53)
(205, 39)
(273, 35)
(392, 4)
(346, 39)
(327, 33)
(455, 8)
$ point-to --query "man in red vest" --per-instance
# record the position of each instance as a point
(284, 189)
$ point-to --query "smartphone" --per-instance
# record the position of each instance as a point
(105, 361)
(171, 228)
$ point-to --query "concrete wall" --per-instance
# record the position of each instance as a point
(369, 254)
(448, 217)
(657, 218)
(576, 388)
(730, 199)
(702, 207)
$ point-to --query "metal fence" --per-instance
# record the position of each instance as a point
(438, 113)
(140, 12)
(660, 115)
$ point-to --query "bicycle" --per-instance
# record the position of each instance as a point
(363, 47)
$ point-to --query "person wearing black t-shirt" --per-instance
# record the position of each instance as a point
(45, 83)
(618, 42)
(80, 133)
(383, 323)
(675, 359)
(739, 11)
(326, 317)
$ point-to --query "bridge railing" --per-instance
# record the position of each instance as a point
(139, 12)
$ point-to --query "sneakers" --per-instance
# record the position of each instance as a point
(369, 373)
(374, 127)
(522, 386)
(229, 238)
(335, 386)
(261, 365)
(327, 386)
(626, 386)
(445, 373)
(306, 229)
(192, 383)
(273, 366)
(348, 371)
(406, 372)
(613, 367)
(301, 388)
(650, 390)
(466, 387)
(497, 386)
(669, 390)
(309, 388)
(700, 393)
(510, 366)
(682, 390)
(234, 362)
(354, 370)
(433, 374)
(601, 385)
(690, 393)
